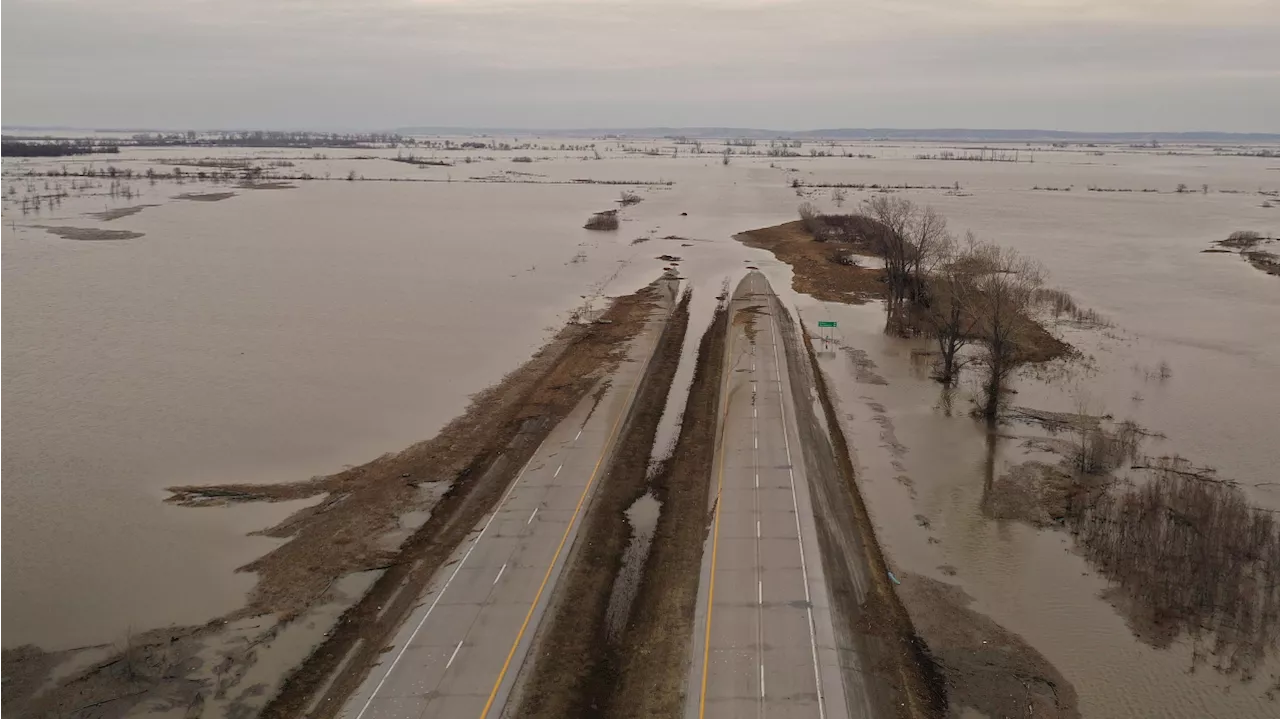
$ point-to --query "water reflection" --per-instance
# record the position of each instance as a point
(1189, 557)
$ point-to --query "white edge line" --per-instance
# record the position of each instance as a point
(449, 581)
(795, 505)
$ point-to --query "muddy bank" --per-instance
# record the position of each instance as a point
(648, 664)
(988, 669)
(90, 234)
(817, 271)
(306, 615)
(575, 657)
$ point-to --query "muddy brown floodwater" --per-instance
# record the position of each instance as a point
(927, 470)
(270, 337)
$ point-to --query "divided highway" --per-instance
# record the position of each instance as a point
(767, 641)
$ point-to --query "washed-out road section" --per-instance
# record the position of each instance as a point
(458, 654)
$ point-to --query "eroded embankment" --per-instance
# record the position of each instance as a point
(645, 674)
(226, 665)
(574, 655)
(898, 672)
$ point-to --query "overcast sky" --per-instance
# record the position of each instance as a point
(1143, 65)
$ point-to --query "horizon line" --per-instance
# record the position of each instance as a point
(900, 132)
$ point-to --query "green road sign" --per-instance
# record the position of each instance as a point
(826, 324)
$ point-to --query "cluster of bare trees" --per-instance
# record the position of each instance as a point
(955, 292)
(959, 292)
(913, 240)
(1195, 558)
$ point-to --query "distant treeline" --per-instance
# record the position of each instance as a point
(265, 138)
(54, 148)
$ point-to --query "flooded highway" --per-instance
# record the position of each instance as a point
(275, 335)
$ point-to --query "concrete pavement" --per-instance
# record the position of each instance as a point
(459, 652)
(763, 642)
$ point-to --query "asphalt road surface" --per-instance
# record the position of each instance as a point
(459, 652)
(763, 644)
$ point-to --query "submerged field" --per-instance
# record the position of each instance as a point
(177, 331)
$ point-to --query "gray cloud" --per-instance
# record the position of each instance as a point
(1061, 64)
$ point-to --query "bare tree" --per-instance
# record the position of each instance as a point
(911, 238)
(948, 314)
(838, 196)
(1004, 284)
(928, 244)
(895, 216)
(809, 217)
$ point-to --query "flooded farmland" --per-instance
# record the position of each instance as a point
(285, 329)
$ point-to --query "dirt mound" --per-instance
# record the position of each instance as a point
(987, 668)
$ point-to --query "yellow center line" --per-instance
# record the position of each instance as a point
(546, 577)
(715, 532)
